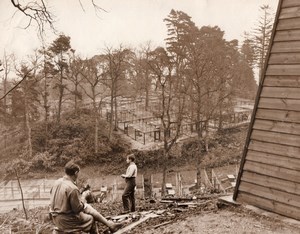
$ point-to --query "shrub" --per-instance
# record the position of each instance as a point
(73, 139)
(43, 161)
(20, 166)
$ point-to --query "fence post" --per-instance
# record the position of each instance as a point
(143, 187)
(177, 182)
(115, 190)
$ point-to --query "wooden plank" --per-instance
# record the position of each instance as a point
(271, 194)
(271, 182)
(276, 137)
(284, 58)
(281, 92)
(132, 225)
(263, 203)
(271, 148)
(286, 24)
(279, 115)
(277, 126)
(290, 3)
(273, 171)
(285, 70)
(286, 47)
(279, 104)
(282, 81)
(276, 160)
(290, 12)
(287, 35)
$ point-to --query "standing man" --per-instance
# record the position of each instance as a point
(69, 213)
(130, 176)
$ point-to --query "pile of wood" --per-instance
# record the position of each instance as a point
(162, 217)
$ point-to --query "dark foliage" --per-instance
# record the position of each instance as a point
(73, 139)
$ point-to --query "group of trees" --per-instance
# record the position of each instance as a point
(196, 76)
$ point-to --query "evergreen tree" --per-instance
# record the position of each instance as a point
(261, 35)
(59, 50)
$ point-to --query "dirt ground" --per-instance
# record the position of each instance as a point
(226, 221)
(209, 215)
(216, 218)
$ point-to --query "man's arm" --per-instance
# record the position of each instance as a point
(130, 172)
(76, 203)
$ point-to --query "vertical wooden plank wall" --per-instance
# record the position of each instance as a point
(269, 176)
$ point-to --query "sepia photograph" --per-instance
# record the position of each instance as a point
(150, 116)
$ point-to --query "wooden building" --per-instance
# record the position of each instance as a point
(269, 176)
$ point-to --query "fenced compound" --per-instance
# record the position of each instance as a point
(144, 127)
(37, 192)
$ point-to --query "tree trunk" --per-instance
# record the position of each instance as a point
(61, 93)
(198, 182)
(96, 127)
(75, 99)
(111, 112)
(147, 91)
(209, 174)
(5, 100)
(147, 185)
(199, 159)
(163, 186)
(147, 100)
(27, 123)
(116, 114)
(220, 123)
(96, 134)
(22, 196)
(46, 107)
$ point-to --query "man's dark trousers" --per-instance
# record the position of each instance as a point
(128, 195)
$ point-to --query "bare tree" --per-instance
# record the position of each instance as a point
(74, 76)
(171, 102)
(117, 64)
(38, 12)
(93, 75)
(142, 78)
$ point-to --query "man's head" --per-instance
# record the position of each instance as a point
(72, 169)
(130, 158)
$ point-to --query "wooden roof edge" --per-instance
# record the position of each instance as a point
(260, 86)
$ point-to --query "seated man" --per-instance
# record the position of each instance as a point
(69, 213)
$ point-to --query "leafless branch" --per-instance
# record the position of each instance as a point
(15, 86)
(19, 82)
(97, 7)
(37, 12)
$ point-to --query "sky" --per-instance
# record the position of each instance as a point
(127, 22)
